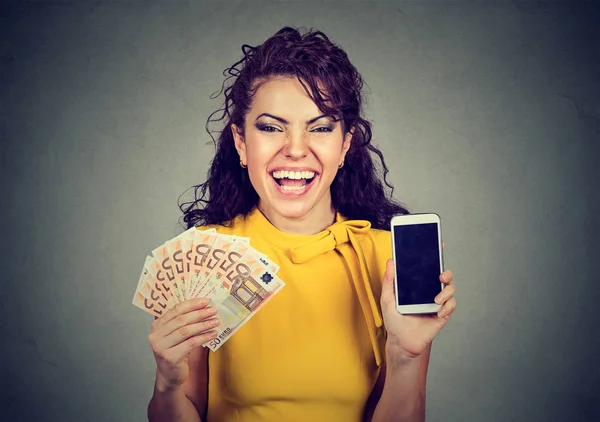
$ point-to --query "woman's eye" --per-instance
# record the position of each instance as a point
(267, 128)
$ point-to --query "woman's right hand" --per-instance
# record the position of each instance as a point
(187, 325)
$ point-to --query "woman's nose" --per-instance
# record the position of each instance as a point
(296, 145)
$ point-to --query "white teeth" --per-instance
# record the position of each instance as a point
(295, 175)
(293, 188)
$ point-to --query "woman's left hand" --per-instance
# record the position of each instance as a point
(409, 335)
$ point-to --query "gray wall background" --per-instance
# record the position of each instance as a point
(488, 114)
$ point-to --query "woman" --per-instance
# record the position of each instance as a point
(293, 171)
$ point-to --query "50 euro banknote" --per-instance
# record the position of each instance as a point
(239, 288)
(237, 279)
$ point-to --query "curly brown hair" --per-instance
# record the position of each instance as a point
(334, 84)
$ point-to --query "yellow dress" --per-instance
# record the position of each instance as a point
(313, 352)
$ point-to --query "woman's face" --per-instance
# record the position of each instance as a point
(292, 151)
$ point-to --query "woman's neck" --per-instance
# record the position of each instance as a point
(314, 221)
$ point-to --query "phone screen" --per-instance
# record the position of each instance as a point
(417, 263)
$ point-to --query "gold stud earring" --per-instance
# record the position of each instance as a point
(242, 165)
(341, 165)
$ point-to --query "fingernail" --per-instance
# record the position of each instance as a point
(214, 322)
(211, 309)
(441, 313)
(438, 300)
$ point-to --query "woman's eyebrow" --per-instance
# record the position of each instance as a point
(308, 122)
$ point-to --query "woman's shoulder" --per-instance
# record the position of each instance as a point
(382, 237)
(377, 245)
(237, 226)
(377, 249)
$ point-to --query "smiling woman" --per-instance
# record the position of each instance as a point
(294, 171)
(292, 156)
(260, 93)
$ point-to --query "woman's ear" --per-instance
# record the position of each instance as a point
(347, 142)
(240, 144)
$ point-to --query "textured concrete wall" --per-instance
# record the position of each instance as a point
(488, 114)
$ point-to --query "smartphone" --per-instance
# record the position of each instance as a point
(418, 259)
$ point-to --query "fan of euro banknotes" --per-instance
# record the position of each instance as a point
(236, 278)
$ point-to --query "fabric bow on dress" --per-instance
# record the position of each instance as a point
(342, 237)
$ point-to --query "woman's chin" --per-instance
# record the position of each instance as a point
(292, 210)
(299, 208)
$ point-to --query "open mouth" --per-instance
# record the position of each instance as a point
(293, 181)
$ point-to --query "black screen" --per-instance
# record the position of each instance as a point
(417, 263)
